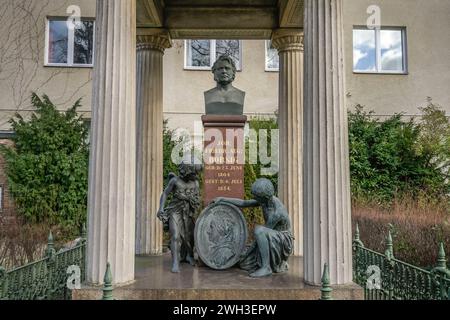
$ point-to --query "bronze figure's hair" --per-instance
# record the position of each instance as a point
(227, 59)
(263, 188)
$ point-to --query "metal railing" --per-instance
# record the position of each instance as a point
(46, 279)
(384, 277)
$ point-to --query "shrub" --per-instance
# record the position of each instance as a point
(22, 243)
(252, 171)
(393, 159)
(416, 230)
(168, 145)
(48, 168)
(258, 124)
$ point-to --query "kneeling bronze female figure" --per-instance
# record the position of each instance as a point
(274, 241)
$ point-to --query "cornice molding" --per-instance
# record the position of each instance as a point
(291, 13)
(150, 13)
(220, 33)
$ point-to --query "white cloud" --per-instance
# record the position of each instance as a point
(392, 60)
(391, 39)
(364, 38)
(357, 56)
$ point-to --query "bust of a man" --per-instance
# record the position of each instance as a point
(224, 99)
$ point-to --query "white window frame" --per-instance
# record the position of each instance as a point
(70, 45)
(378, 64)
(212, 54)
(266, 51)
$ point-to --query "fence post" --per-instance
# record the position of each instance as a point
(357, 243)
(389, 253)
(442, 260)
(50, 245)
(83, 252)
(107, 287)
(326, 288)
(50, 254)
(442, 272)
(357, 239)
(84, 233)
(3, 283)
(389, 247)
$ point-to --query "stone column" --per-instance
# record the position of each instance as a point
(290, 48)
(150, 51)
(112, 169)
(327, 209)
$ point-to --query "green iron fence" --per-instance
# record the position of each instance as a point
(45, 279)
(383, 277)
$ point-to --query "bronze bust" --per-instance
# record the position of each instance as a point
(224, 99)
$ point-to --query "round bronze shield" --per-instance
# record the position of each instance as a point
(221, 236)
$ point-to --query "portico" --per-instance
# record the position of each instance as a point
(125, 179)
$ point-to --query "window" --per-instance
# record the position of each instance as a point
(201, 54)
(379, 50)
(272, 57)
(69, 47)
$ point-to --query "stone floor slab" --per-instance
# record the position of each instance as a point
(154, 281)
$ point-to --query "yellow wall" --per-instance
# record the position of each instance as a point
(22, 70)
(183, 89)
(22, 54)
(427, 25)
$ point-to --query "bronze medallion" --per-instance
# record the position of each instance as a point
(221, 236)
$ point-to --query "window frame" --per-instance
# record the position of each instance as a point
(266, 51)
(70, 44)
(378, 62)
(212, 51)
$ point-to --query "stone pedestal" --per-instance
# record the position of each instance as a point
(224, 157)
(289, 43)
(151, 45)
(112, 169)
(153, 282)
(327, 207)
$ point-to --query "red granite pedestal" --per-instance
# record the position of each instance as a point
(224, 157)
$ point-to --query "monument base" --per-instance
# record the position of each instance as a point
(154, 281)
(224, 155)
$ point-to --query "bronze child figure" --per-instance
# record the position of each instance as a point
(179, 214)
(274, 241)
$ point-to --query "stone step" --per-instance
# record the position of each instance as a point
(154, 281)
(309, 293)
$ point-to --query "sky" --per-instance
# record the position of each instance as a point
(365, 51)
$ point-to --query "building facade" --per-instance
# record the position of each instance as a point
(422, 25)
(43, 53)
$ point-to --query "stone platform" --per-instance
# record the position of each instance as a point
(154, 281)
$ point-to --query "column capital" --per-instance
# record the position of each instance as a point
(287, 40)
(153, 39)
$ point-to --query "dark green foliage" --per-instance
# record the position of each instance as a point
(168, 145)
(263, 124)
(253, 171)
(48, 168)
(393, 158)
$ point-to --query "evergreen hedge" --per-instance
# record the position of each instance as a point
(48, 167)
